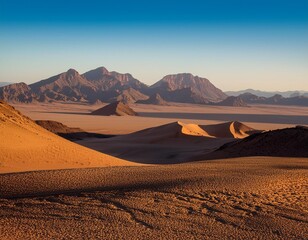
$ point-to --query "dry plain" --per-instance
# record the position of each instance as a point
(76, 115)
(241, 198)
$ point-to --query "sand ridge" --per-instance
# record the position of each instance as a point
(117, 108)
(233, 129)
(25, 146)
(242, 198)
(78, 116)
(181, 129)
(175, 142)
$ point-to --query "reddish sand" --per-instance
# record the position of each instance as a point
(241, 198)
(263, 117)
(25, 146)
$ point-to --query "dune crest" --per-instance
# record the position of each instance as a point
(171, 130)
(117, 108)
(25, 146)
(179, 129)
(232, 129)
(192, 129)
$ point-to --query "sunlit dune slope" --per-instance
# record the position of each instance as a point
(175, 142)
(25, 146)
(182, 130)
(229, 130)
(167, 131)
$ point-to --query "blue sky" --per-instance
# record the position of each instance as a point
(236, 44)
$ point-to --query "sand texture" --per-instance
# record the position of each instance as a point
(51, 188)
(248, 198)
(174, 142)
(264, 117)
(26, 146)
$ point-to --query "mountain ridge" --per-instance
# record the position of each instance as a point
(101, 85)
(261, 93)
(193, 89)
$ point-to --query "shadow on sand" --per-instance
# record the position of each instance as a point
(260, 118)
(268, 118)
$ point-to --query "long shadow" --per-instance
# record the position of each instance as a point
(75, 136)
(150, 183)
(268, 118)
(73, 113)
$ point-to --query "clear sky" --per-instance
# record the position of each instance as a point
(236, 44)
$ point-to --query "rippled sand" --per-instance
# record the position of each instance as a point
(261, 198)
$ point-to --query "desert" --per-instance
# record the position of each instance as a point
(158, 179)
(153, 120)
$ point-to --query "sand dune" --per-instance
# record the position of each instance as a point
(193, 132)
(288, 142)
(175, 142)
(67, 132)
(77, 115)
(117, 108)
(180, 129)
(25, 146)
(241, 198)
(57, 127)
(229, 130)
(171, 130)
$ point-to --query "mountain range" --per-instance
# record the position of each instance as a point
(101, 85)
(267, 94)
(277, 99)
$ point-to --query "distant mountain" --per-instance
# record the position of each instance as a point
(93, 86)
(2, 84)
(116, 108)
(68, 86)
(186, 88)
(296, 101)
(184, 95)
(113, 81)
(274, 100)
(100, 85)
(129, 95)
(232, 101)
(265, 93)
(17, 92)
(295, 94)
(251, 98)
(154, 99)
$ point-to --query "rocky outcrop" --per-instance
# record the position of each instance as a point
(232, 101)
(188, 89)
(154, 99)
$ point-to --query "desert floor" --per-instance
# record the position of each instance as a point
(248, 198)
(241, 198)
(264, 117)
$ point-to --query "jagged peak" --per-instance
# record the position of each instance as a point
(72, 71)
(180, 74)
(102, 69)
